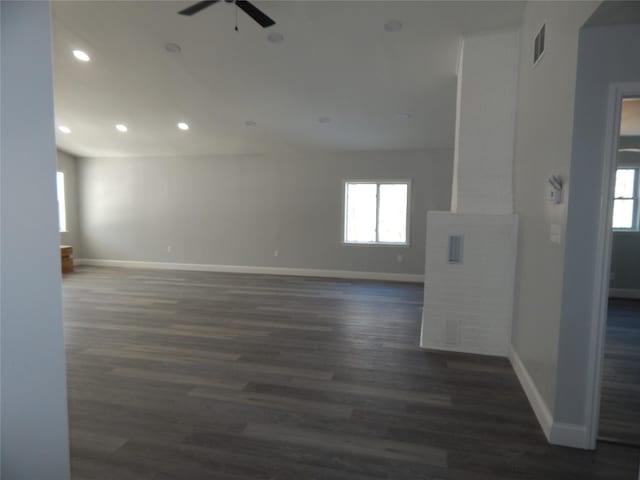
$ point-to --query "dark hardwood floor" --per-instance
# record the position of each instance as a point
(188, 375)
(620, 402)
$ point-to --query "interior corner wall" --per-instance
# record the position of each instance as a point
(544, 124)
(239, 210)
(34, 429)
(67, 165)
(607, 55)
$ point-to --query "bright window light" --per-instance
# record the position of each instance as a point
(376, 212)
(62, 207)
(81, 55)
(361, 212)
(625, 203)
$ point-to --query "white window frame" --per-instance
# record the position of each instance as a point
(635, 226)
(61, 202)
(376, 243)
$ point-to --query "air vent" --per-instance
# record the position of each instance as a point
(538, 45)
(455, 248)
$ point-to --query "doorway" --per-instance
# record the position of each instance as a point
(619, 412)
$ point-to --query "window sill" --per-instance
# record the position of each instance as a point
(374, 244)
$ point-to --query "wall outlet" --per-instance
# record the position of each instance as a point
(276, 253)
(400, 258)
(169, 248)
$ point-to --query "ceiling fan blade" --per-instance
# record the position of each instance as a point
(255, 13)
(196, 7)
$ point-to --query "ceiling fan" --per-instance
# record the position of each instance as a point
(254, 12)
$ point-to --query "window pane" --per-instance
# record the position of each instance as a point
(625, 181)
(361, 212)
(392, 217)
(62, 209)
(623, 213)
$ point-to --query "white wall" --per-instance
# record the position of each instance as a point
(485, 124)
(544, 126)
(67, 165)
(607, 55)
(474, 299)
(237, 210)
(34, 405)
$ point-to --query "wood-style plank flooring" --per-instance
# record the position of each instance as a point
(620, 402)
(194, 375)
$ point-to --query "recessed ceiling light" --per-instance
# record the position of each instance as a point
(80, 55)
(121, 128)
(393, 26)
(183, 126)
(403, 116)
(64, 129)
(275, 37)
(250, 123)
(173, 47)
(324, 119)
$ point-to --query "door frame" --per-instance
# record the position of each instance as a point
(604, 232)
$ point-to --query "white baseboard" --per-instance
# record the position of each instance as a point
(569, 435)
(624, 293)
(540, 408)
(300, 272)
(557, 433)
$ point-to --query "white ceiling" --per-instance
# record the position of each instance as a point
(336, 61)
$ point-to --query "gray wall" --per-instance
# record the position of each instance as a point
(543, 147)
(32, 370)
(625, 261)
(607, 55)
(237, 210)
(67, 165)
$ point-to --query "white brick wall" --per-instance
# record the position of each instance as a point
(475, 296)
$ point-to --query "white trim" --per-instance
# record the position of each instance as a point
(602, 260)
(569, 435)
(301, 272)
(624, 293)
(540, 408)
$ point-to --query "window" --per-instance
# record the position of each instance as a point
(62, 208)
(625, 203)
(376, 212)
